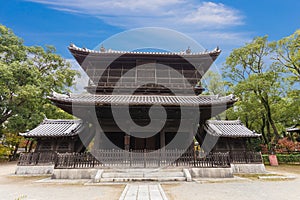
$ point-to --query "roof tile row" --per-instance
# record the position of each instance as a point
(145, 99)
(228, 128)
(56, 128)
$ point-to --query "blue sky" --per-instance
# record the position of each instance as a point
(227, 24)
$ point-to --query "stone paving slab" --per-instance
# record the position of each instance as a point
(143, 192)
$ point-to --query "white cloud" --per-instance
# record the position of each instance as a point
(209, 23)
(209, 13)
(165, 13)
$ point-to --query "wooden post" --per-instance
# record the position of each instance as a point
(130, 158)
(127, 142)
(144, 158)
(162, 139)
(98, 136)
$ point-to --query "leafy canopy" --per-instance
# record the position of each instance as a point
(28, 74)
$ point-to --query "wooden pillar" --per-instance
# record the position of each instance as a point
(127, 137)
(98, 137)
(191, 137)
(126, 142)
(162, 139)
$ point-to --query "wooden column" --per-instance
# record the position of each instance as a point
(126, 142)
(190, 137)
(98, 137)
(127, 137)
(162, 139)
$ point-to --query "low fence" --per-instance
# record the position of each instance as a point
(38, 158)
(138, 159)
(244, 157)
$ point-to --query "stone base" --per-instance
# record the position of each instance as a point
(248, 168)
(74, 173)
(34, 170)
(211, 172)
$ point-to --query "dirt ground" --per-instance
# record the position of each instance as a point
(247, 189)
(26, 188)
(295, 169)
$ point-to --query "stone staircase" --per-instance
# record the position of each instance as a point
(162, 175)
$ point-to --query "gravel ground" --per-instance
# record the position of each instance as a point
(239, 190)
(26, 188)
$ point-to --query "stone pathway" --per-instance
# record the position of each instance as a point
(143, 192)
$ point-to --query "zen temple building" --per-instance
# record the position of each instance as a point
(139, 81)
(232, 135)
(114, 74)
(58, 135)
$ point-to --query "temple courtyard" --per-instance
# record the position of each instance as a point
(282, 184)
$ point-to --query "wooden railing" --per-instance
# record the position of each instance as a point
(76, 160)
(244, 157)
(139, 159)
(38, 158)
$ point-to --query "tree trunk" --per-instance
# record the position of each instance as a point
(266, 141)
(27, 143)
(270, 121)
(247, 121)
(14, 156)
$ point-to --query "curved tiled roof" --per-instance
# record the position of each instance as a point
(204, 100)
(228, 128)
(75, 48)
(56, 128)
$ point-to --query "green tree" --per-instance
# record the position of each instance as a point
(287, 53)
(28, 74)
(257, 83)
(213, 84)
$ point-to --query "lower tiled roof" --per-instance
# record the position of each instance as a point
(228, 128)
(55, 128)
(145, 99)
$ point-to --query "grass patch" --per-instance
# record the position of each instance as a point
(284, 168)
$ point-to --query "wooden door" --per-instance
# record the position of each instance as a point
(139, 143)
(150, 143)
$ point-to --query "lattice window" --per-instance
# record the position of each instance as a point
(63, 146)
(45, 146)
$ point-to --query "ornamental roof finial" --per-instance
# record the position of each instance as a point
(188, 51)
(102, 49)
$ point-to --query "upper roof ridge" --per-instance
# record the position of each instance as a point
(110, 51)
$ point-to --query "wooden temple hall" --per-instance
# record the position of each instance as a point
(139, 81)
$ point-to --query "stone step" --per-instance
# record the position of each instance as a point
(142, 174)
(122, 175)
(161, 179)
(144, 170)
(164, 174)
(126, 175)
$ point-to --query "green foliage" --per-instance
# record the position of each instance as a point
(4, 152)
(212, 83)
(254, 144)
(268, 100)
(287, 52)
(283, 158)
(27, 76)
